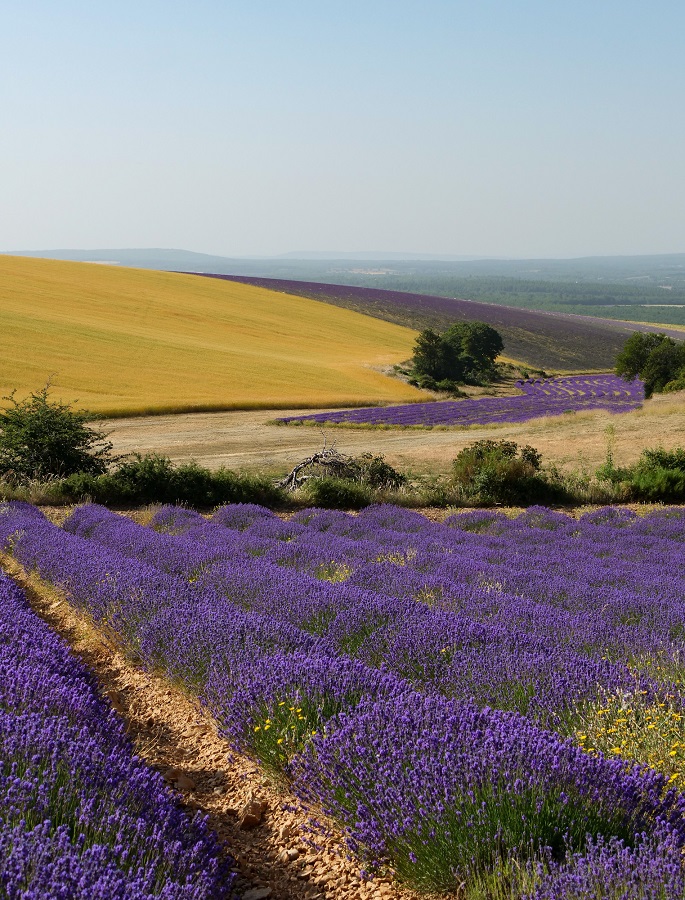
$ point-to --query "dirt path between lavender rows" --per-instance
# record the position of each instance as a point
(246, 440)
(282, 858)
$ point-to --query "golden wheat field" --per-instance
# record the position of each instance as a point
(132, 341)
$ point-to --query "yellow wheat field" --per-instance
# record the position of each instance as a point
(135, 341)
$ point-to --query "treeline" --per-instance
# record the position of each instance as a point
(619, 301)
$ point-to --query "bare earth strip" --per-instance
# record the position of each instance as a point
(282, 858)
(245, 440)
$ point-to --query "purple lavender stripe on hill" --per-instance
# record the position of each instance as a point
(539, 397)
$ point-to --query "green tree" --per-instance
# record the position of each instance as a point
(631, 361)
(466, 351)
(476, 341)
(431, 356)
(657, 359)
(40, 438)
(663, 365)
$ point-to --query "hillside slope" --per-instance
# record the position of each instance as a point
(546, 340)
(132, 340)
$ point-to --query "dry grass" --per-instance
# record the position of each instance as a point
(246, 440)
(130, 340)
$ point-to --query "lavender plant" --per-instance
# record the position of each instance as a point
(425, 682)
(80, 815)
(548, 397)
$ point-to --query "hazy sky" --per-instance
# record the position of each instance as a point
(484, 127)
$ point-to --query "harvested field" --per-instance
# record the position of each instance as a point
(246, 440)
(130, 340)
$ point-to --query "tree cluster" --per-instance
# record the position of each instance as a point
(464, 354)
(655, 358)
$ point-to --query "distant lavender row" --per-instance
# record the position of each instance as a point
(541, 339)
(80, 815)
(548, 397)
(360, 654)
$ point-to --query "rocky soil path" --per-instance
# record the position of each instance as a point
(278, 853)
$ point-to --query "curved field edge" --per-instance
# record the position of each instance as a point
(248, 441)
(124, 341)
(552, 341)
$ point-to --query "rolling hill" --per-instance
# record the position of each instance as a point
(135, 341)
(557, 342)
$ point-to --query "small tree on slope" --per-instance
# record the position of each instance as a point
(40, 438)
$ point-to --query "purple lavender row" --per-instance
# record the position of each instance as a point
(446, 566)
(551, 397)
(523, 657)
(450, 793)
(654, 865)
(267, 674)
(542, 570)
(80, 815)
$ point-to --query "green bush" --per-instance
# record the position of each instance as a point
(658, 458)
(665, 485)
(42, 439)
(376, 473)
(337, 493)
(502, 472)
(658, 475)
(154, 479)
(427, 383)
(676, 384)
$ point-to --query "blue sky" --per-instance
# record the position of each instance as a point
(490, 128)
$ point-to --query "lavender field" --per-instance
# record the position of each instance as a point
(81, 816)
(539, 397)
(485, 701)
(543, 340)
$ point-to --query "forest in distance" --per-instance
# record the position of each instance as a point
(631, 288)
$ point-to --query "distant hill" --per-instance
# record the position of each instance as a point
(128, 340)
(628, 288)
(550, 341)
(322, 266)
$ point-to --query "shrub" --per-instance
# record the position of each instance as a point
(659, 475)
(40, 439)
(375, 472)
(676, 384)
(337, 493)
(154, 479)
(502, 472)
(427, 383)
